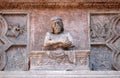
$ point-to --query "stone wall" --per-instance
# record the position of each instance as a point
(93, 24)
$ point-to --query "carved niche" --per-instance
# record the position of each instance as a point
(105, 41)
(58, 53)
(13, 42)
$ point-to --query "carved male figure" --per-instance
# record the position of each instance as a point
(58, 40)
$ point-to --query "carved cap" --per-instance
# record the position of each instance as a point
(56, 18)
(56, 25)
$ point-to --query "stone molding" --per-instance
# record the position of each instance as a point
(59, 4)
(60, 74)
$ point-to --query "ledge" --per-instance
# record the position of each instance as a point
(77, 52)
(65, 51)
(60, 74)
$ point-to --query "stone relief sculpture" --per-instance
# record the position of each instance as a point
(58, 41)
(105, 42)
(5, 43)
(11, 52)
(58, 44)
(58, 53)
(14, 30)
(100, 31)
(115, 42)
(58, 38)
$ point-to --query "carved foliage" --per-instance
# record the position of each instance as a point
(100, 30)
(105, 29)
(9, 37)
(15, 30)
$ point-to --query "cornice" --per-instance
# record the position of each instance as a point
(38, 5)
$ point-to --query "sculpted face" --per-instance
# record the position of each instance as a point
(57, 25)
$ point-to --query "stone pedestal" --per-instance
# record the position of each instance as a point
(39, 60)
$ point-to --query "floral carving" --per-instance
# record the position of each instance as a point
(14, 30)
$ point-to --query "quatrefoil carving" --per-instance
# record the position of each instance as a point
(5, 42)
